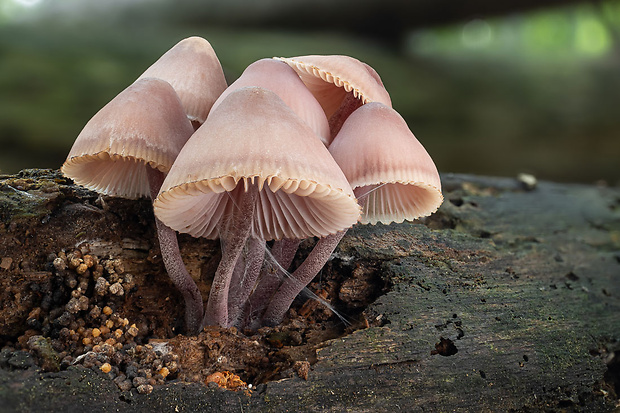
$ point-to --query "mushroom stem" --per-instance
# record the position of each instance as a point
(171, 255)
(303, 275)
(267, 285)
(284, 251)
(244, 278)
(234, 233)
(282, 255)
(283, 298)
(348, 106)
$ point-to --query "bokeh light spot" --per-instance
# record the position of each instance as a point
(476, 34)
(27, 3)
(591, 37)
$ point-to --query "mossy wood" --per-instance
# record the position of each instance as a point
(506, 299)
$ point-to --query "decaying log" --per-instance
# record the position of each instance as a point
(507, 299)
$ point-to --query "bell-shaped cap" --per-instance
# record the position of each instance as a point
(254, 138)
(331, 77)
(393, 176)
(281, 79)
(143, 125)
(194, 71)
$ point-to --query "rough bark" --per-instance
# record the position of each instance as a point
(506, 299)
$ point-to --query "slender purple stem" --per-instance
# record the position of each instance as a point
(244, 279)
(171, 255)
(283, 298)
(257, 302)
(234, 232)
(303, 275)
(284, 251)
(282, 255)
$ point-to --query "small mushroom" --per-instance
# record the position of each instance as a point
(254, 168)
(125, 150)
(393, 178)
(341, 84)
(194, 71)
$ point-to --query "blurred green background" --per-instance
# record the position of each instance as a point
(487, 90)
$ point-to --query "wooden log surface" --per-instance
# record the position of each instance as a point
(506, 299)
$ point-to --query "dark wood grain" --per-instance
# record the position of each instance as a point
(506, 299)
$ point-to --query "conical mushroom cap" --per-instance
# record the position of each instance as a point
(194, 71)
(281, 79)
(387, 165)
(253, 137)
(331, 78)
(144, 124)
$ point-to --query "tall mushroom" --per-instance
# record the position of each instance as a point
(254, 168)
(340, 84)
(194, 71)
(392, 175)
(280, 78)
(125, 150)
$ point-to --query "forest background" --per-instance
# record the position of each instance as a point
(490, 89)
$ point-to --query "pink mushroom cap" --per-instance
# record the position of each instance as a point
(385, 163)
(281, 79)
(254, 138)
(194, 71)
(143, 125)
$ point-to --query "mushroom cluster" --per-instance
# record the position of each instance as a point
(294, 148)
